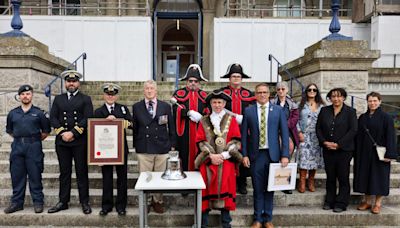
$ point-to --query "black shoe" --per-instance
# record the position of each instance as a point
(121, 212)
(103, 212)
(58, 207)
(338, 209)
(326, 207)
(13, 208)
(289, 192)
(38, 208)
(242, 190)
(86, 208)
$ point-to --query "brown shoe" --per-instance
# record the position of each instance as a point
(158, 207)
(376, 209)
(256, 225)
(268, 225)
(364, 206)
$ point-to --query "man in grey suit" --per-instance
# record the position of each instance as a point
(263, 125)
(153, 135)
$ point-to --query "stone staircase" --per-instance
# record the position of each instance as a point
(296, 210)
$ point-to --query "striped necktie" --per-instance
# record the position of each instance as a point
(262, 127)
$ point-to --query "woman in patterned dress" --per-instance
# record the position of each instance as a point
(310, 154)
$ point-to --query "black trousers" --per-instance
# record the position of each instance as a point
(337, 168)
(122, 186)
(65, 156)
(244, 172)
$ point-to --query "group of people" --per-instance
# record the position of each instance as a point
(228, 134)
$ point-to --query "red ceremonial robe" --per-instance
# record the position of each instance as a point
(185, 128)
(220, 180)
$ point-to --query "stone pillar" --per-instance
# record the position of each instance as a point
(331, 64)
(208, 27)
(24, 60)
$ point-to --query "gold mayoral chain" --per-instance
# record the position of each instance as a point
(220, 141)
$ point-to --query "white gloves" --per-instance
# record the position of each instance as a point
(226, 155)
(194, 116)
(239, 119)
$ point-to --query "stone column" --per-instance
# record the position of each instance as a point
(331, 64)
(24, 60)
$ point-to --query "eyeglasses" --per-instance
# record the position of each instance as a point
(312, 90)
(283, 89)
(193, 81)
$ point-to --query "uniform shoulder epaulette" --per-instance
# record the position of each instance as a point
(181, 93)
(246, 92)
(203, 94)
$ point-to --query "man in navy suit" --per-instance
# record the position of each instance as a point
(153, 134)
(264, 124)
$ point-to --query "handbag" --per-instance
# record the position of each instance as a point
(380, 150)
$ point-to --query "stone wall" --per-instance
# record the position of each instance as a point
(24, 60)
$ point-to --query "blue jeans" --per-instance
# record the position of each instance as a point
(226, 218)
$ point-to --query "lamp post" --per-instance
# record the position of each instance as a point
(16, 22)
(334, 27)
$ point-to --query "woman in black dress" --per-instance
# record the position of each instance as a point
(371, 175)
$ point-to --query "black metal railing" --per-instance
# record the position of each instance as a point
(72, 66)
(292, 78)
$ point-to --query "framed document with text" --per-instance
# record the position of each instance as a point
(106, 142)
(282, 178)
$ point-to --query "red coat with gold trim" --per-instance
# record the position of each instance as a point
(220, 179)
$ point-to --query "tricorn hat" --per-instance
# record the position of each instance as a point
(111, 88)
(71, 75)
(217, 94)
(235, 68)
(24, 88)
(194, 70)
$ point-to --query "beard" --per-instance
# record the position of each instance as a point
(72, 89)
(26, 101)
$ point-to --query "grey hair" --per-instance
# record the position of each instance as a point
(282, 84)
(150, 82)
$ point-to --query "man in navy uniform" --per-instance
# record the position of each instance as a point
(111, 111)
(68, 116)
(28, 125)
(241, 99)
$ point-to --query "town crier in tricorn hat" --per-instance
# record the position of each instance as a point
(189, 106)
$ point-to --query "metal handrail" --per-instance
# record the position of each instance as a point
(291, 76)
(73, 65)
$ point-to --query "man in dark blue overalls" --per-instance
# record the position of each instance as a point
(28, 125)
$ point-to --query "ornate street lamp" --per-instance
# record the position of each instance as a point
(16, 22)
(334, 27)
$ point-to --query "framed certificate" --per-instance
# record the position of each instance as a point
(282, 178)
(106, 142)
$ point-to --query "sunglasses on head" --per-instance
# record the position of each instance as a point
(312, 90)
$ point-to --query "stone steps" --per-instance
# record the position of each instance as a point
(306, 199)
(183, 217)
(50, 180)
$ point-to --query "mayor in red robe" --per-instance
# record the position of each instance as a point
(218, 141)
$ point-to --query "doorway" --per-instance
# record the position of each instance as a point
(177, 38)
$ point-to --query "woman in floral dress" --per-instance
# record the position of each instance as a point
(310, 154)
